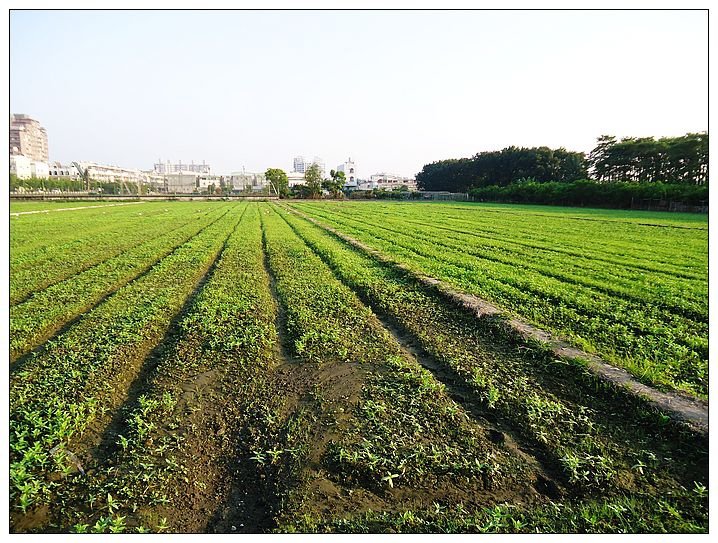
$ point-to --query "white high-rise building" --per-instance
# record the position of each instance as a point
(301, 165)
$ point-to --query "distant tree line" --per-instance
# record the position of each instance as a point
(682, 160)
(592, 193)
(503, 168)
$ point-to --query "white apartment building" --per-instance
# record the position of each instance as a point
(39, 170)
(28, 138)
(155, 181)
(167, 167)
(204, 181)
(21, 166)
(294, 179)
(25, 168)
(388, 181)
(112, 174)
(301, 165)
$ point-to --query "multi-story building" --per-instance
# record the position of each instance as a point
(350, 173)
(21, 166)
(28, 138)
(155, 181)
(298, 164)
(245, 181)
(388, 181)
(167, 167)
(112, 174)
(301, 165)
(56, 170)
(205, 181)
(183, 182)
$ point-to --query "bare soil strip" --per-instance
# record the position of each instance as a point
(680, 407)
(70, 209)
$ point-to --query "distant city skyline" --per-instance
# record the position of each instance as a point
(393, 90)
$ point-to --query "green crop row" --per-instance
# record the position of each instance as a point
(639, 317)
(402, 432)
(658, 346)
(88, 249)
(207, 379)
(603, 443)
(34, 320)
(81, 375)
(564, 421)
(70, 228)
(658, 291)
(569, 229)
(681, 513)
(62, 227)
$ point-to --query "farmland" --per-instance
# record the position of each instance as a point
(235, 367)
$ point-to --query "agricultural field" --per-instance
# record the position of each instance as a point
(629, 286)
(234, 367)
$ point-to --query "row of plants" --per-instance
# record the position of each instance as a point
(86, 247)
(33, 321)
(678, 232)
(621, 282)
(65, 394)
(399, 438)
(208, 393)
(663, 347)
(20, 206)
(683, 512)
(68, 227)
(610, 449)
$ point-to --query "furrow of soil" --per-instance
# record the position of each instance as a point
(136, 384)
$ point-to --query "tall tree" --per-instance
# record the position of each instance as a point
(278, 179)
(313, 181)
(335, 183)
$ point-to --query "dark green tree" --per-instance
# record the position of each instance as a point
(279, 181)
(313, 181)
(335, 183)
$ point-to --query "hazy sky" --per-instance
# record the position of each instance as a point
(392, 89)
